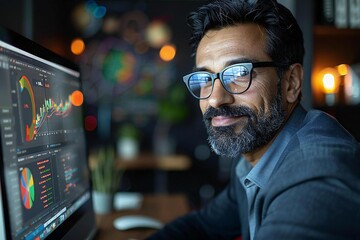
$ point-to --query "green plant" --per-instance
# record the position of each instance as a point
(128, 130)
(104, 172)
(172, 108)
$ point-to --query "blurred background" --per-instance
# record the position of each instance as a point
(133, 54)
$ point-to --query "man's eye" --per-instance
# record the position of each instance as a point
(242, 71)
(237, 71)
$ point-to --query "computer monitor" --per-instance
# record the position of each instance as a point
(45, 189)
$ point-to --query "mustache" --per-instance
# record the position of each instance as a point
(228, 111)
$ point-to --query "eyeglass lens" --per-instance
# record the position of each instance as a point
(235, 79)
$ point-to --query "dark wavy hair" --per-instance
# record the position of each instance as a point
(285, 42)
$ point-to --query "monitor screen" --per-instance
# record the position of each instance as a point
(44, 184)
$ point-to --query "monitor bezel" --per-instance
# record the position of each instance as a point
(82, 223)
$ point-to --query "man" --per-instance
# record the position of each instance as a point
(298, 176)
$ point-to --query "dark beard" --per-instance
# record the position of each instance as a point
(257, 132)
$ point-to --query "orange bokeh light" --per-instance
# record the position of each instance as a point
(77, 98)
(167, 52)
(77, 46)
(342, 69)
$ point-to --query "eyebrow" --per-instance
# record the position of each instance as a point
(228, 63)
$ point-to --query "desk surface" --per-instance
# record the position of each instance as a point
(163, 207)
(151, 161)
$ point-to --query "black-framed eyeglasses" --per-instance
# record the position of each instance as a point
(235, 79)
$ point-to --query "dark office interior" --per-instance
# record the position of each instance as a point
(145, 93)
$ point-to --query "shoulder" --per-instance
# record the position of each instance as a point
(314, 127)
(319, 126)
(319, 147)
(318, 134)
(317, 174)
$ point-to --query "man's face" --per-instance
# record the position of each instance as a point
(240, 123)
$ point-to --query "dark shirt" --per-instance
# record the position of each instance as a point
(306, 186)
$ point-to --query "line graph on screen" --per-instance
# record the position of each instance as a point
(37, 106)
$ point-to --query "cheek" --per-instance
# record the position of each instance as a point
(203, 105)
(262, 94)
(268, 91)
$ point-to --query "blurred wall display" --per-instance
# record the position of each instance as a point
(122, 55)
(131, 66)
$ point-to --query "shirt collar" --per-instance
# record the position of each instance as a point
(261, 172)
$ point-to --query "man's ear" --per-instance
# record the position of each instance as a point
(294, 78)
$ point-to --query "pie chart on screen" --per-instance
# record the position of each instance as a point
(27, 188)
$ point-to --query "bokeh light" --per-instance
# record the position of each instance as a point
(342, 69)
(85, 20)
(96, 10)
(77, 98)
(119, 66)
(90, 123)
(99, 12)
(81, 17)
(157, 34)
(329, 80)
(111, 25)
(77, 46)
(167, 52)
(329, 83)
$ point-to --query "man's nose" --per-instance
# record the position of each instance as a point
(219, 95)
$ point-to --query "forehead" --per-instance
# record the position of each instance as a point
(218, 47)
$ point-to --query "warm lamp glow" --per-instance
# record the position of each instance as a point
(330, 80)
(167, 53)
(329, 83)
(342, 69)
(77, 46)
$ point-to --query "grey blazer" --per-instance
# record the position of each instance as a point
(313, 193)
